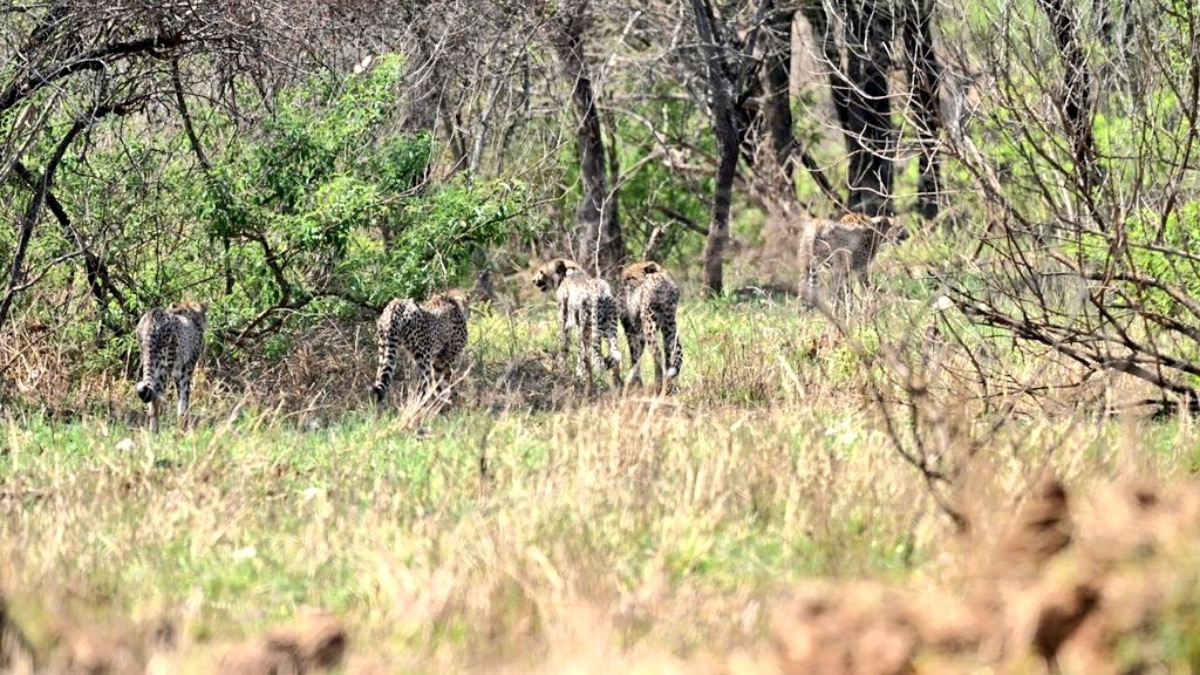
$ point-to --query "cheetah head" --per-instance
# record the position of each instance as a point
(550, 275)
(890, 228)
(459, 298)
(887, 227)
(635, 273)
(196, 311)
(189, 306)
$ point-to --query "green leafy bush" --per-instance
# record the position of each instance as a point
(325, 201)
(313, 206)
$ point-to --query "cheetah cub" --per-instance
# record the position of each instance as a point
(586, 305)
(846, 247)
(171, 340)
(434, 333)
(649, 301)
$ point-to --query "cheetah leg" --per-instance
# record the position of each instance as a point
(442, 375)
(424, 377)
(852, 292)
(816, 290)
(150, 367)
(150, 388)
(656, 353)
(674, 351)
(589, 354)
(614, 355)
(838, 287)
(564, 351)
(159, 385)
(183, 386)
(603, 325)
(152, 413)
(596, 349)
(861, 287)
(387, 368)
(633, 336)
(159, 381)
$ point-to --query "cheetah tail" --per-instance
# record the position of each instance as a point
(150, 357)
(388, 353)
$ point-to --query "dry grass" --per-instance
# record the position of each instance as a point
(739, 527)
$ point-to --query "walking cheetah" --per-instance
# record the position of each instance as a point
(846, 247)
(171, 340)
(588, 306)
(649, 300)
(434, 333)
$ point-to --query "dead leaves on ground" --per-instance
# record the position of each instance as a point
(1054, 594)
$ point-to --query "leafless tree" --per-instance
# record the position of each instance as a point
(924, 78)
(729, 130)
(98, 61)
(1088, 254)
(856, 40)
(602, 248)
(1077, 94)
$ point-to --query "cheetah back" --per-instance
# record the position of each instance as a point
(650, 303)
(171, 341)
(587, 305)
(434, 334)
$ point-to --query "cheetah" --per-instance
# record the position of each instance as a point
(171, 340)
(434, 333)
(846, 246)
(649, 300)
(588, 306)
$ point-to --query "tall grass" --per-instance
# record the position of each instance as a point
(525, 516)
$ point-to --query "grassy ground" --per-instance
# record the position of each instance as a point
(526, 524)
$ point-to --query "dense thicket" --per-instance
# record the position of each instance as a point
(300, 160)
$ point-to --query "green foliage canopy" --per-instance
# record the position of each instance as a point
(326, 202)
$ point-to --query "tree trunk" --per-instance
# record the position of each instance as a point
(860, 95)
(777, 102)
(1077, 107)
(201, 158)
(725, 127)
(776, 80)
(602, 248)
(870, 30)
(99, 278)
(29, 221)
(924, 77)
(41, 190)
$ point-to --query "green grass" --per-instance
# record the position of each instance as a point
(672, 517)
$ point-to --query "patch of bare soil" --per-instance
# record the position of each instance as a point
(67, 645)
(1079, 582)
(16, 654)
(313, 644)
(1077, 592)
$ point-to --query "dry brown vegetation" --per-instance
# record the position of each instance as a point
(1081, 581)
(810, 502)
(950, 476)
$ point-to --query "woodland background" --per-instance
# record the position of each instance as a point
(1031, 349)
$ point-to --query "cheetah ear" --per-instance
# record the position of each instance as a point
(561, 267)
(652, 268)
